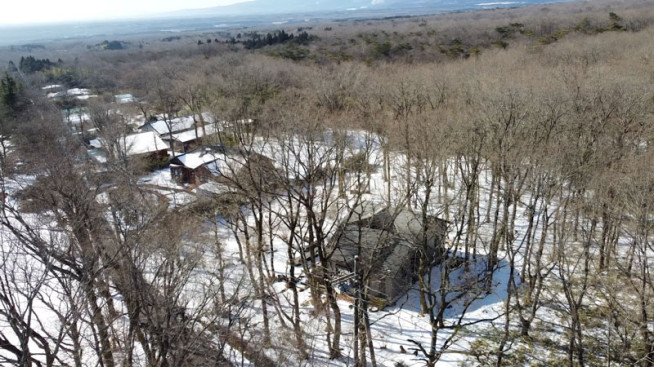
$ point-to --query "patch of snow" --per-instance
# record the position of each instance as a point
(124, 98)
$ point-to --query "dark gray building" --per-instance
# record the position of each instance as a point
(389, 243)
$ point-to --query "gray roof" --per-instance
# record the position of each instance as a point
(399, 221)
(388, 242)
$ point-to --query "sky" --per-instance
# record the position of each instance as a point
(18, 12)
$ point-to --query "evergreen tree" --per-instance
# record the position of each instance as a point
(8, 95)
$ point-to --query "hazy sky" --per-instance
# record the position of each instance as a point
(15, 12)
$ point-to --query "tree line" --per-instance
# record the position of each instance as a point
(257, 40)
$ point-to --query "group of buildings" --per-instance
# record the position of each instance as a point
(391, 242)
(189, 145)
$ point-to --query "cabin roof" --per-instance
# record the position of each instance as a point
(216, 158)
(388, 242)
(135, 144)
(197, 157)
(176, 125)
(190, 135)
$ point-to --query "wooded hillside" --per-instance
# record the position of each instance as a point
(528, 130)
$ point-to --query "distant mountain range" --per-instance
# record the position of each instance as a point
(271, 7)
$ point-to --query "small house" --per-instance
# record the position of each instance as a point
(389, 243)
(229, 166)
(196, 166)
(192, 138)
(147, 146)
(177, 125)
(144, 144)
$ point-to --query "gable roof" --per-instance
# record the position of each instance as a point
(389, 242)
(197, 157)
(142, 143)
(136, 144)
(176, 125)
(398, 221)
(190, 135)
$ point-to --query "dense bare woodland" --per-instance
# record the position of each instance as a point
(529, 134)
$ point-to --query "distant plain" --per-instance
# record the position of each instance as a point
(175, 23)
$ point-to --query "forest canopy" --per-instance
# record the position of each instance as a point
(182, 203)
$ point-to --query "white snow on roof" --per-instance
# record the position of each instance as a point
(79, 93)
(189, 135)
(176, 125)
(135, 144)
(142, 143)
(218, 162)
(197, 158)
(86, 96)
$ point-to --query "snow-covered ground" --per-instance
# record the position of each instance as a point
(394, 326)
(396, 330)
